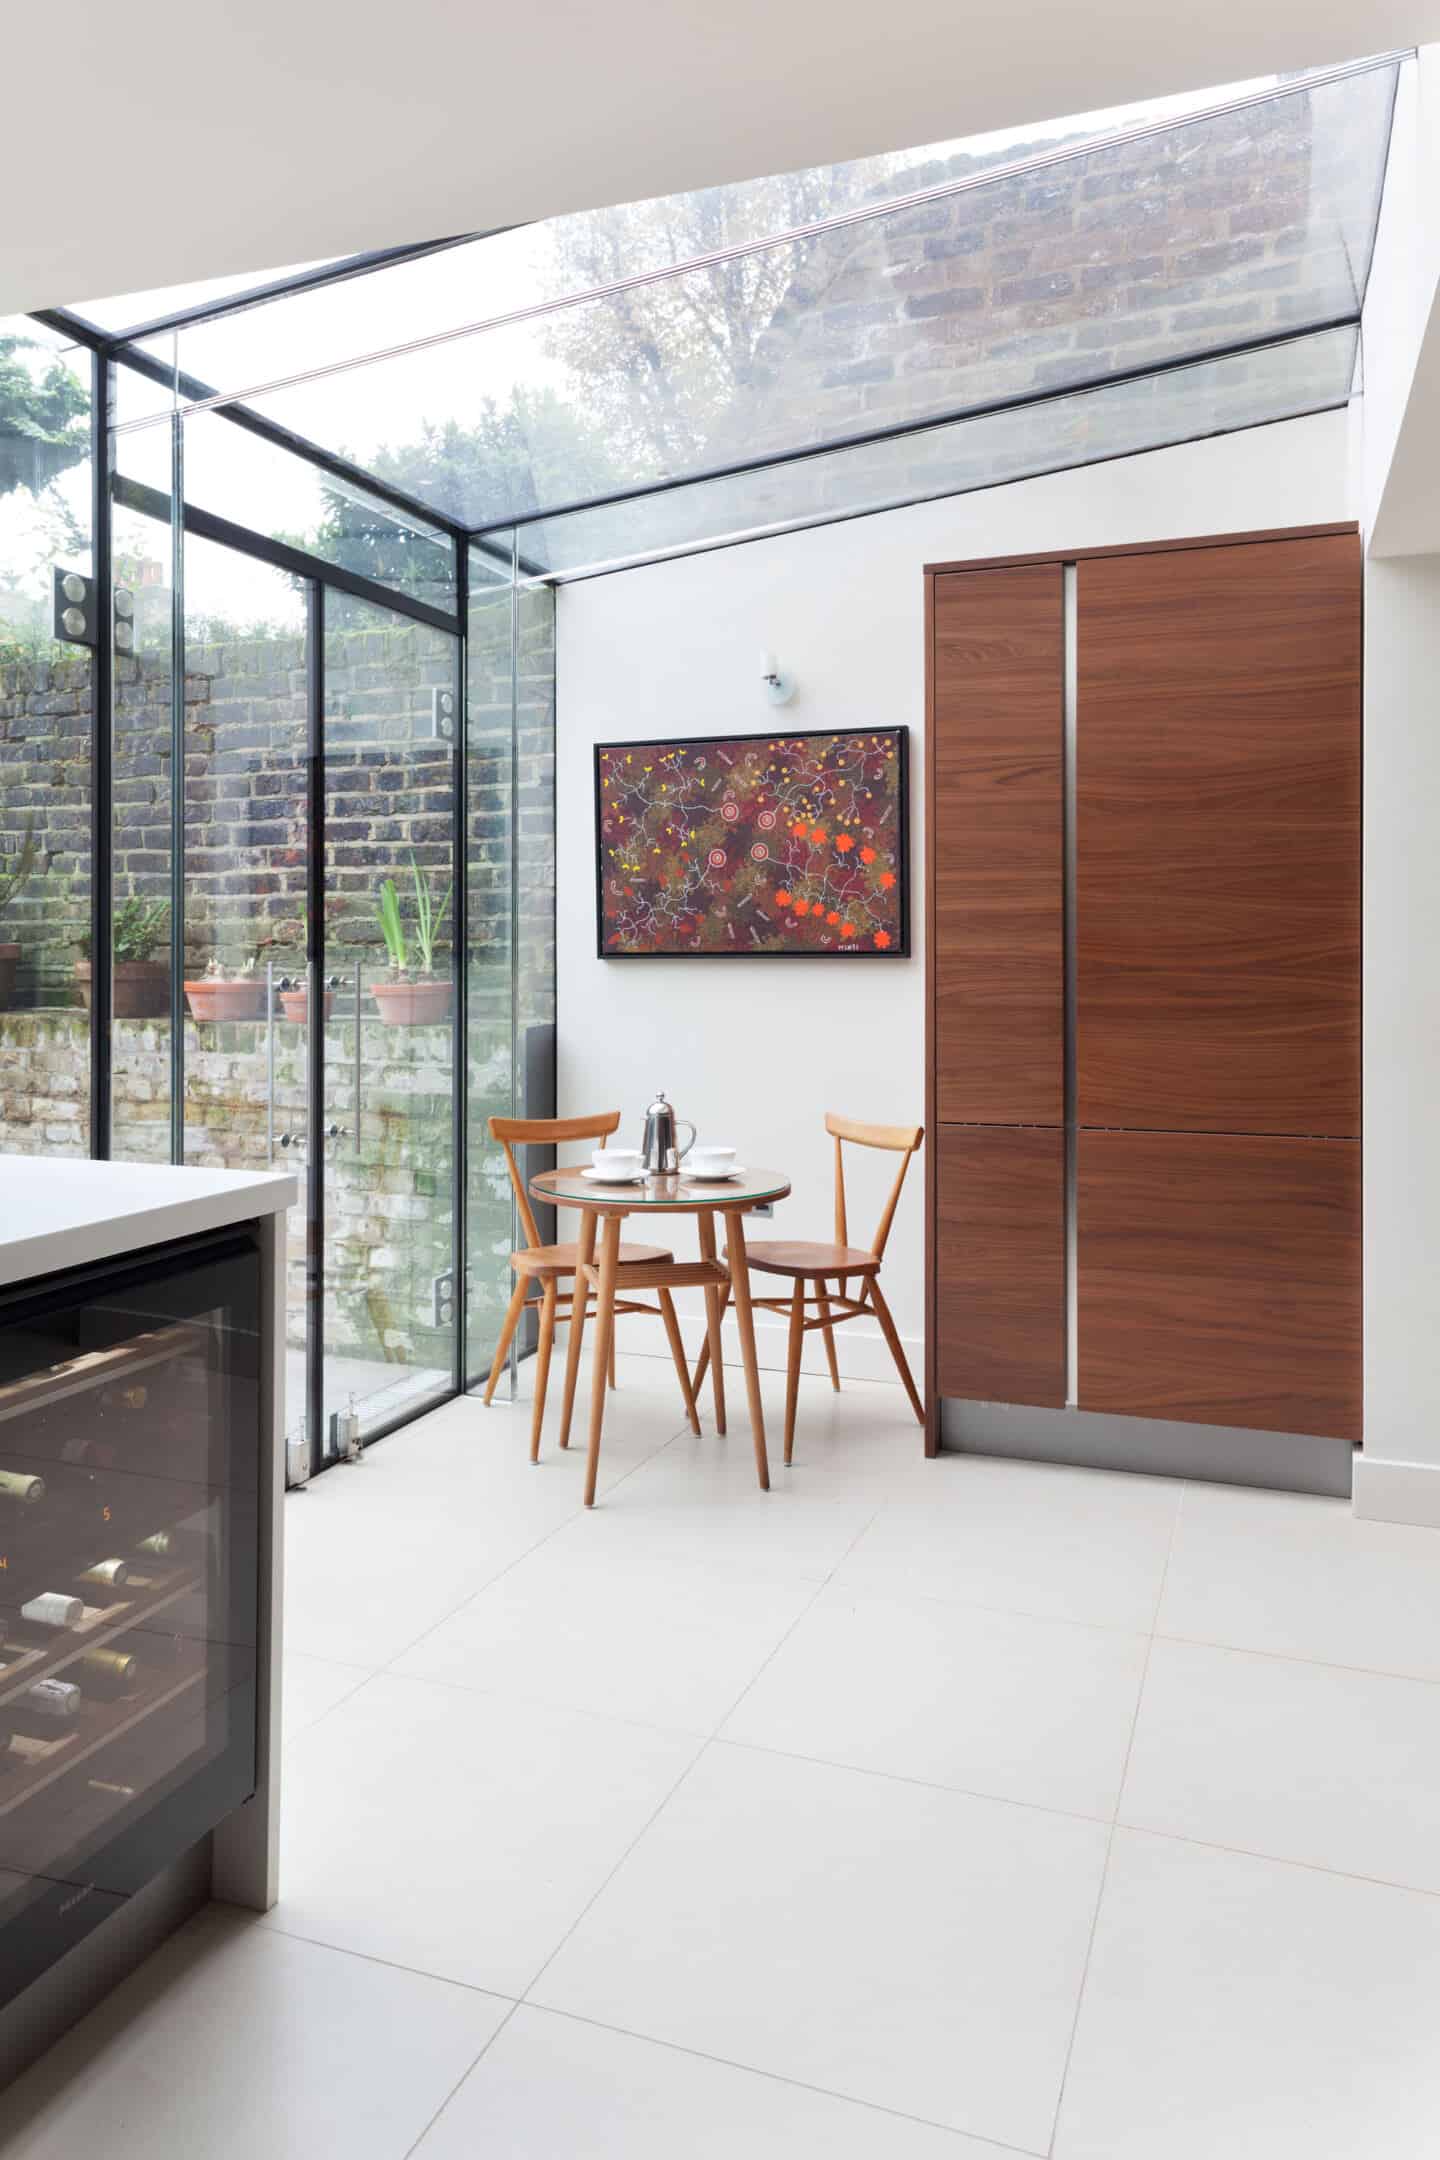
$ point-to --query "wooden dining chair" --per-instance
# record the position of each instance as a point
(547, 1266)
(806, 1262)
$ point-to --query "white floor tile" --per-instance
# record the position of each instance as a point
(918, 1950)
(1305, 1762)
(1244, 2008)
(460, 1834)
(987, 1702)
(552, 2087)
(718, 1522)
(1025, 1537)
(672, 1649)
(373, 1559)
(1302, 1577)
(310, 1686)
(232, 2042)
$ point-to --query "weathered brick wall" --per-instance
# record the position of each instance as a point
(1196, 237)
(390, 791)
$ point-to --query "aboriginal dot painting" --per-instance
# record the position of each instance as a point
(757, 844)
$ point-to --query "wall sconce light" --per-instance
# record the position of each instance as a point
(74, 607)
(778, 688)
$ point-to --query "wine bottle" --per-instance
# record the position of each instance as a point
(172, 1546)
(109, 1572)
(108, 1672)
(53, 1609)
(43, 1704)
(20, 1490)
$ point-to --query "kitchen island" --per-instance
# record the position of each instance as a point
(141, 1481)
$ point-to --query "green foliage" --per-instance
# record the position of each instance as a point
(140, 929)
(427, 926)
(44, 420)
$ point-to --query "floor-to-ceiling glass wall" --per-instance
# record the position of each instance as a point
(48, 633)
(387, 1119)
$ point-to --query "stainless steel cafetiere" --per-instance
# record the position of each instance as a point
(660, 1148)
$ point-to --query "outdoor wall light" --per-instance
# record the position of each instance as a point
(74, 597)
(778, 688)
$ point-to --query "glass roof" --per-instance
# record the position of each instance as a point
(1146, 275)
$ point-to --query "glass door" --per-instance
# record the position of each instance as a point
(242, 898)
(385, 1086)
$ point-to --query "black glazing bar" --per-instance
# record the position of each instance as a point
(279, 555)
(102, 789)
(177, 790)
(338, 272)
(1021, 400)
(314, 1023)
(518, 1103)
(460, 944)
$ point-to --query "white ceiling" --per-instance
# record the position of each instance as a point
(155, 145)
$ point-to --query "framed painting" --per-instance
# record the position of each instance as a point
(759, 846)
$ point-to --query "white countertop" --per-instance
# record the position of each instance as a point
(64, 1212)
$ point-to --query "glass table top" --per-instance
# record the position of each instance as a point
(673, 1190)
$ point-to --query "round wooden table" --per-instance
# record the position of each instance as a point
(671, 1194)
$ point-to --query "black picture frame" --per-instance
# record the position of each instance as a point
(899, 951)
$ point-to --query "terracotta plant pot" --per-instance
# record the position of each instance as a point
(140, 989)
(412, 1004)
(295, 1004)
(9, 966)
(215, 998)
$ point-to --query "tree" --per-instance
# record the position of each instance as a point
(44, 419)
(659, 365)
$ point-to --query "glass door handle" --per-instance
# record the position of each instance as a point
(336, 1132)
(291, 1139)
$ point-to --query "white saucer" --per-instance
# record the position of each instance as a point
(716, 1177)
(611, 1177)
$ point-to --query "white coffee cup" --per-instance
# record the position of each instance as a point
(618, 1162)
(710, 1161)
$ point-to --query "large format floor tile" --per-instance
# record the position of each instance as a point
(987, 1702)
(1025, 1537)
(719, 1523)
(1249, 2009)
(1304, 1578)
(460, 1834)
(555, 2087)
(232, 2042)
(915, 1949)
(1306, 1762)
(310, 1686)
(646, 1641)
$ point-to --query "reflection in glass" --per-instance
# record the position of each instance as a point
(1280, 382)
(386, 1126)
(46, 735)
(1131, 253)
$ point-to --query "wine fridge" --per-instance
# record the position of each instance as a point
(129, 1546)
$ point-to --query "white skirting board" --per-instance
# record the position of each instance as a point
(860, 1348)
(1399, 1492)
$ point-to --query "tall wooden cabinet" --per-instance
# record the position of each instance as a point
(1144, 982)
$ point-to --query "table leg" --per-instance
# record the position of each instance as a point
(745, 1322)
(579, 1300)
(604, 1334)
(712, 1323)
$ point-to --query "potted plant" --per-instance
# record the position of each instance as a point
(13, 880)
(222, 995)
(415, 996)
(139, 983)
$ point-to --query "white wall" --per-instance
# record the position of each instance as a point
(1398, 1476)
(757, 1053)
(1400, 504)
